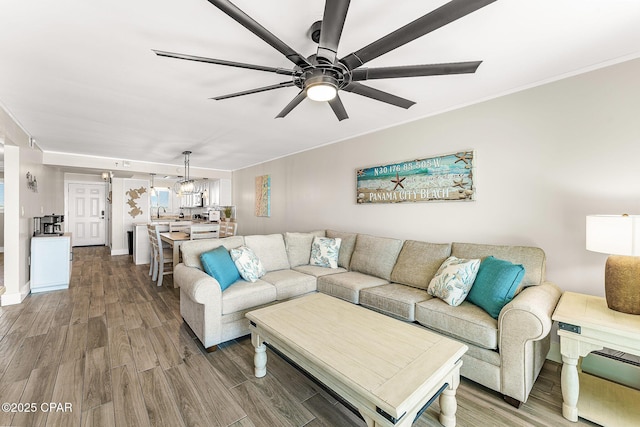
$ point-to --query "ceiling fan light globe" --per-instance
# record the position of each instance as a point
(322, 92)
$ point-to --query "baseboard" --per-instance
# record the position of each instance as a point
(12, 299)
(605, 367)
(2, 249)
(119, 252)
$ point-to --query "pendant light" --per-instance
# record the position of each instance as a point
(153, 188)
(187, 185)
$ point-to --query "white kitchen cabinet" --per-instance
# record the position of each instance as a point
(51, 258)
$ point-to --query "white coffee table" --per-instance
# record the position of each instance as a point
(387, 369)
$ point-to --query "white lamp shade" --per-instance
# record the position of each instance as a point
(614, 234)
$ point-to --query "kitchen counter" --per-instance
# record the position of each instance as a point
(167, 220)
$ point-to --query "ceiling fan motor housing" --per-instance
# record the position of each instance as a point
(322, 72)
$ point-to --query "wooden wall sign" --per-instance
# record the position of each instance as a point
(442, 178)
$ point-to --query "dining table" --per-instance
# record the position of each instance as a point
(175, 239)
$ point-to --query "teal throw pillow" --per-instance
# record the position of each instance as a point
(495, 285)
(219, 265)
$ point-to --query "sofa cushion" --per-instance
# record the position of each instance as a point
(394, 300)
(248, 264)
(324, 251)
(418, 262)
(533, 259)
(192, 249)
(243, 295)
(375, 256)
(347, 285)
(346, 246)
(218, 264)
(290, 283)
(270, 250)
(315, 271)
(467, 322)
(495, 284)
(299, 246)
(454, 279)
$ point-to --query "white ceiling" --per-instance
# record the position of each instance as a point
(80, 75)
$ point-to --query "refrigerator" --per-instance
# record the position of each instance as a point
(51, 257)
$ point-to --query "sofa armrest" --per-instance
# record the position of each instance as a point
(198, 285)
(528, 315)
(527, 318)
(200, 303)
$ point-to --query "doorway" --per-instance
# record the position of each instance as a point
(86, 216)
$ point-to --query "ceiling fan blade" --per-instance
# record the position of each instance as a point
(223, 62)
(378, 95)
(433, 20)
(335, 13)
(250, 24)
(360, 74)
(257, 90)
(293, 104)
(338, 108)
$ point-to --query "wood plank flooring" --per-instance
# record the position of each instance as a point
(115, 350)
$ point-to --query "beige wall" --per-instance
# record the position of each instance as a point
(22, 204)
(2, 221)
(546, 157)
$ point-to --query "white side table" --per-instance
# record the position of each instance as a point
(587, 324)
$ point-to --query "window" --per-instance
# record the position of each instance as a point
(161, 198)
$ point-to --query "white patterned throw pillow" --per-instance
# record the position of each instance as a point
(248, 264)
(325, 251)
(454, 279)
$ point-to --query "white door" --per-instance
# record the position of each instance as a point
(86, 214)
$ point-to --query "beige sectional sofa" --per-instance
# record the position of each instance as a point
(390, 276)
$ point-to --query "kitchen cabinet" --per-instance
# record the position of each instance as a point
(51, 257)
(191, 200)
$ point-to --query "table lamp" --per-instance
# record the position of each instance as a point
(618, 236)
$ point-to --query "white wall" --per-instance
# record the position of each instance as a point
(546, 157)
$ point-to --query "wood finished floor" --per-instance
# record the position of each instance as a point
(114, 346)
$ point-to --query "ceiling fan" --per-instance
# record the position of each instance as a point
(320, 76)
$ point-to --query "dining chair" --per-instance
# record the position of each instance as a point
(180, 226)
(152, 249)
(204, 231)
(163, 256)
(228, 229)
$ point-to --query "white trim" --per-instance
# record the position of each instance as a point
(120, 251)
(15, 120)
(15, 298)
(2, 249)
